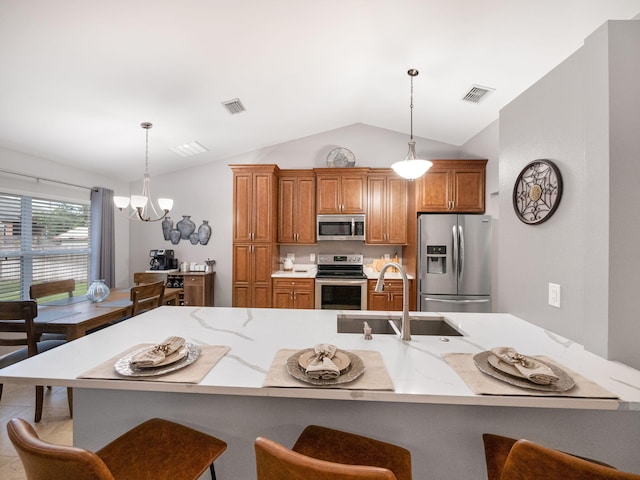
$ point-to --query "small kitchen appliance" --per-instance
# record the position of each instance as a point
(341, 227)
(341, 283)
(162, 259)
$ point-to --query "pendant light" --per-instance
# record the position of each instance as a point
(411, 167)
(140, 203)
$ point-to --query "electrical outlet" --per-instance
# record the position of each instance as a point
(312, 257)
(554, 295)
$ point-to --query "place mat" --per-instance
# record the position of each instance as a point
(483, 384)
(209, 356)
(375, 376)
(46, 315)
(67, 301)
(123, 302)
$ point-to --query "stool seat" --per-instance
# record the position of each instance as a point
(156, 449)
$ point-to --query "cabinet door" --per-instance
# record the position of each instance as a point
(377, 301)
(263, 205)
(261, 278)
(304, 299)
(282, 298)
(376, 210)
(469, 190)
(353, 194)
(242, 201)
(193, 286)
(396, 211)
(305, 212)
(286, 209)
(328, 194)
(434, 191)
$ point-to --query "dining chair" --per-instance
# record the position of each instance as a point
(156, 449)
(55, 287)
(146, 297)
(511, 459)
(17, 328)
(276, 462)
(337, 446)
(149, 277)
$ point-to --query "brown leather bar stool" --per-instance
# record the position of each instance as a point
(276, 462)
(156, 449)
(509, 459)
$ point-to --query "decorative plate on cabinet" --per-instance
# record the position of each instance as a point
(537, 192)
(341, 158)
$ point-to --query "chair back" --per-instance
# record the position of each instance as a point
(18, 317)
(276, 462)
(147, 297)
(530, 461)
(46, 461)
(56, 287)
(149, 277)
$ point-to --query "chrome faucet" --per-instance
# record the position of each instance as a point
(405, 331)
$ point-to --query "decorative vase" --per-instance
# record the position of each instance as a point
(204, 232)
(98, 291)
(174, 236)
(167, 226)
(193, 238)
(186, 227)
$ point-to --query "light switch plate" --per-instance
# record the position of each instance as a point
(554, 295)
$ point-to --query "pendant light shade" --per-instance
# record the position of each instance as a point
(411, 167)
(139, 203)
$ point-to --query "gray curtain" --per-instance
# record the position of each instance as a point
(102, 236)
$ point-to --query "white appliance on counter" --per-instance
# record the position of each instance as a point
(341, 283)
(454, 263)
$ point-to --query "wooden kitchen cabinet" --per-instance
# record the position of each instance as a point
(296, 207)
(255, 256)
(293, 293)
(198, 289)
(341, 190)
(386, 208)
(255, 202)
(252, 267)
(456, 186)
(390, 299)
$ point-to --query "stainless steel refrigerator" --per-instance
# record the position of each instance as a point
(454, 258)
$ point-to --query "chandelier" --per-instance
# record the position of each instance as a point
(411, 167)
(141, 205)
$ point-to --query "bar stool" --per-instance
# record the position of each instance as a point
(156, 449)
(509, 459)
(336, 446)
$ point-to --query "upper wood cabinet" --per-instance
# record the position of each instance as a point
(341, 190)
(386, 208)
(255, 200)
(296, 207)
(452, 186)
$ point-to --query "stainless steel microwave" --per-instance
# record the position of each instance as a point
(341, 227)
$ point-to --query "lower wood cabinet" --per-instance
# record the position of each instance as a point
(390, 299)
(252, 268)
(293, 293)
(197, 288)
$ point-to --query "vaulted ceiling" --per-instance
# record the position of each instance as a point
(79, 76)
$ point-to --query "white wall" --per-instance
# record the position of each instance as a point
(13, 161)
(582, 116)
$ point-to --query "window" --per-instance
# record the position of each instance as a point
(42, 240)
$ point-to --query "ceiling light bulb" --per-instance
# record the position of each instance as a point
(121, 202)
(138, 201)
(165, 203)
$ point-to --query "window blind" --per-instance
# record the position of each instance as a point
(42, 240)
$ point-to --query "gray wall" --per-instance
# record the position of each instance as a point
(582, 116)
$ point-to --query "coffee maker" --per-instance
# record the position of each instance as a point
(162, 260)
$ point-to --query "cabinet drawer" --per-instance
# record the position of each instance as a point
(297, 283)
(193, 280)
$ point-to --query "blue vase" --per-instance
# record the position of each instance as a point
(167, 226)
(98, 291)
(186, 227)
(204, 232)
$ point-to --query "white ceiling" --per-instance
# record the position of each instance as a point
(78, 76)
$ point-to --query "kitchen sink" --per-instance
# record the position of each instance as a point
(383, 324)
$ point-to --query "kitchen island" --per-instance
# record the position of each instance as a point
(431, 410)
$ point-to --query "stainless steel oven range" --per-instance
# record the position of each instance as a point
(341, 283)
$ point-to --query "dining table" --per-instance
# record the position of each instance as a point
(76, 316)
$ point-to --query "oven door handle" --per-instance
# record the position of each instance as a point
(341, 281)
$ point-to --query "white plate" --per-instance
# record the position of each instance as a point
(123, 366)
(353, 371)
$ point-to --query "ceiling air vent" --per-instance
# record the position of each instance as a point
(476, 93)
(234, 106)
(189, 149)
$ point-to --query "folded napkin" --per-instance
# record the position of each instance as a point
(155, 355)
(321, 365)
(529, 367)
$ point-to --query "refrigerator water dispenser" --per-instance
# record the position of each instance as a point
(437, 259)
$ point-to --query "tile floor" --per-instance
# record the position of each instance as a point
(55, 426)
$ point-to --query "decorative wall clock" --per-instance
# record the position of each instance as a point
(537, 192)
